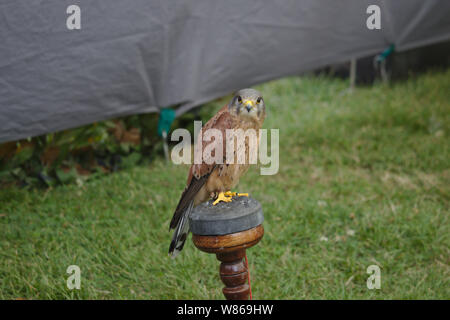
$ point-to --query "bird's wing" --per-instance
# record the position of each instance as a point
(199, 173)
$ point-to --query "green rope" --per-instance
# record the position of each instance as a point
(386, 53)
(166, 118)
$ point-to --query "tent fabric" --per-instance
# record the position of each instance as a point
(140, 56)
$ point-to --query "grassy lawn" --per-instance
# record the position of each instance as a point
(364, 179)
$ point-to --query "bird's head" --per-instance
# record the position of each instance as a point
(249, 104)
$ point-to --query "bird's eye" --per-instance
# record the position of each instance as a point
(239, 99)
(258, 100)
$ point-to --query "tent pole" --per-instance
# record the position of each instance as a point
(352, 74)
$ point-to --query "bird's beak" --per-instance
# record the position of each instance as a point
(249, 104)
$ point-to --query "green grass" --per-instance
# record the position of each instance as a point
(369, 171)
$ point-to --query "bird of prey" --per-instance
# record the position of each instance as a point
(206, 180)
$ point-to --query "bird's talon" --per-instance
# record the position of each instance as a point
(227, 196)
(222, 197)
(242, 194)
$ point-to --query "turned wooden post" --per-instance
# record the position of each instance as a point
(227, 230)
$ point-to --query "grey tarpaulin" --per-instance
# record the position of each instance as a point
(136, 56)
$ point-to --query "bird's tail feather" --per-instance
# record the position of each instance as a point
(181, 232)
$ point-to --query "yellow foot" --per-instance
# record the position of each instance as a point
(229, 193)
(222, 196)
(228, 196)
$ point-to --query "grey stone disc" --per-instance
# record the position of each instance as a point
(241, 214)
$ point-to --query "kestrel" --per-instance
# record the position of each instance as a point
(206, 180)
